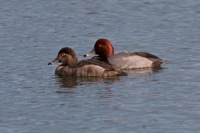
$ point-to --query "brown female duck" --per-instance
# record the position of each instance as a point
(72, 67)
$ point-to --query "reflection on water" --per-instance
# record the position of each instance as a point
(70, 82)
(142, 71)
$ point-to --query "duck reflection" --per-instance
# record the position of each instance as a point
(68, 82)
(143, 71)
(71, 82)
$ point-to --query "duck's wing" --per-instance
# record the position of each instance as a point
(107, 66)
(147, 55)
(156, 61)
(91, 62)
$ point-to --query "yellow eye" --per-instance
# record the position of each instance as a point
(99, 45)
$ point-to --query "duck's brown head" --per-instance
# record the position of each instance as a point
(66, 56)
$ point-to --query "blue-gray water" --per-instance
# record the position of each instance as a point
(34, 100)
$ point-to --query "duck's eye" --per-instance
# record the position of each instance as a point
(63, 54)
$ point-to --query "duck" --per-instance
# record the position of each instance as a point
(124, 60)
(70, 66)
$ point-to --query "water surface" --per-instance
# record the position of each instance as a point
(34, 100)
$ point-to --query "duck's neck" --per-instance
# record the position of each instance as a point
(70, 61)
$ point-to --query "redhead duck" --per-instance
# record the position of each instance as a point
(72, 67)
(124, 60)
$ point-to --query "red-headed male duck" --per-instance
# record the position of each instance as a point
(72, 67)
(124, 60)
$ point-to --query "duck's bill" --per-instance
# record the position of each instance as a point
(89, 54)
(56, 60)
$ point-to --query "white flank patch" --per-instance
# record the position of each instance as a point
(126, 61)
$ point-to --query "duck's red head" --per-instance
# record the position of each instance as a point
(103, 47)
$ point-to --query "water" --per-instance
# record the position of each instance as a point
(34, 100)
